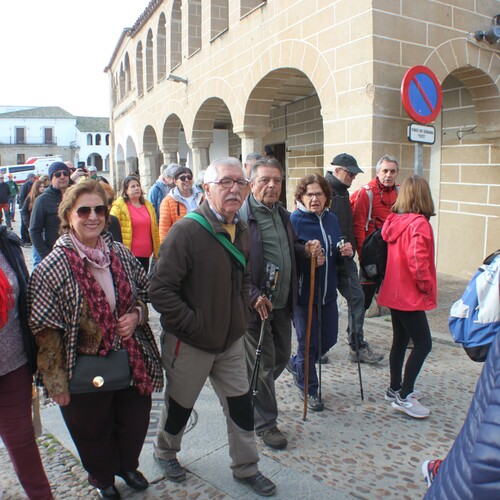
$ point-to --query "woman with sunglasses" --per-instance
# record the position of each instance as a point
(88, 297)
(137, 218)
(182, 199)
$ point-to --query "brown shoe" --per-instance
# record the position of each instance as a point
(273, 438)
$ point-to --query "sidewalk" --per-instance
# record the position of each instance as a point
(353, 449)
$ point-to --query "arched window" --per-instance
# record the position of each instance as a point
(98, 139)
(194, 26)
(149, 61)
(161, 48)
(89, 139)
(122, 82)
(139, 70)
(219, 19)
(107, 139)
(128, 80)
(176, 35)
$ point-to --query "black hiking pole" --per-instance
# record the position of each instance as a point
(270, 281)
(354, 333)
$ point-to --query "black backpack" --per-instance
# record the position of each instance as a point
(373, 259)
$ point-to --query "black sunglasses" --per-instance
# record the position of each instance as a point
(61, 172)
(185, 178)
(84, 212)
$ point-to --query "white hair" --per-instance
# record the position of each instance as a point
(212, 170)
(388, 158)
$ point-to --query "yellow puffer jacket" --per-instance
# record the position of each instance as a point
(120, 210)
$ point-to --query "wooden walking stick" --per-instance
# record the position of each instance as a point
(308, 334)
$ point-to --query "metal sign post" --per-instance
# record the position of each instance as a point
(419, 159)
(422, 100)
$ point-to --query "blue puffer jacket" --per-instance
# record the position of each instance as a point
(472, 468)
(326, 229)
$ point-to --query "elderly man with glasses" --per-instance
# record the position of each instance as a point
(44, 224)
(344, 171)
(200, 286)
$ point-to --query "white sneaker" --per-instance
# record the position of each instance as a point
(390, 395)
(411, 407)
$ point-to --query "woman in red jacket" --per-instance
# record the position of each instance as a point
(409, 289)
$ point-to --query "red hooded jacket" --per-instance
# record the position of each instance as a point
(410, 277)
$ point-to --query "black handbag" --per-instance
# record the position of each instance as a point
(101, 373)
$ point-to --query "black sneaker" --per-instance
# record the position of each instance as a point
(172, 469)
(259, 483)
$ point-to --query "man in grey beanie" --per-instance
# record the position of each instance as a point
(44, 225)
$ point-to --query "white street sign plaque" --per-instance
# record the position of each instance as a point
(423, 134)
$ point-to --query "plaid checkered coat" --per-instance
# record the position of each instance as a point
(55, 302)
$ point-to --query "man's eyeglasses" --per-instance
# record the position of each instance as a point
(228, 183)
(185, 178)
(348, 171)
(61, 172)
(84, 212)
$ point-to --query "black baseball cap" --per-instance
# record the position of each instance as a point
(348, 162)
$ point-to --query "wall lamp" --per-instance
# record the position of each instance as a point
(177, 79)
(493, 34)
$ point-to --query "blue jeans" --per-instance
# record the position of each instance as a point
(36, 257)
(12, 206)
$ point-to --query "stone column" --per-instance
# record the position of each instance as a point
(120, 174)
(252, 140)
(201, 157)
(147, 168)
(170, 157)
(131, 162)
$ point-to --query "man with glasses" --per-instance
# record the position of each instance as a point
(344, 171)
(44, 224)
(272, 241)
(200, 287)
(371, 205)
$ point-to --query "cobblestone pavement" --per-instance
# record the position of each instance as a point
(353, 449)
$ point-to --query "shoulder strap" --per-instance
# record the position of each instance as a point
(369, 193)
(220, 238)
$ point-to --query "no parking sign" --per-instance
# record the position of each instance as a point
(421, 94)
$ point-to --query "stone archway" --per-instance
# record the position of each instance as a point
(212, 134)
(284, 112)
(465, 162)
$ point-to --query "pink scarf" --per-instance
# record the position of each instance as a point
(101, 311)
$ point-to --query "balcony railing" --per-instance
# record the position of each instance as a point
(29, 141)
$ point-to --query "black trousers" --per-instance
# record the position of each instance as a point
(25, 234)
(144, 262)
(408, 325)
(109, 429)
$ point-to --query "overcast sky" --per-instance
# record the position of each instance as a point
(53, 52)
